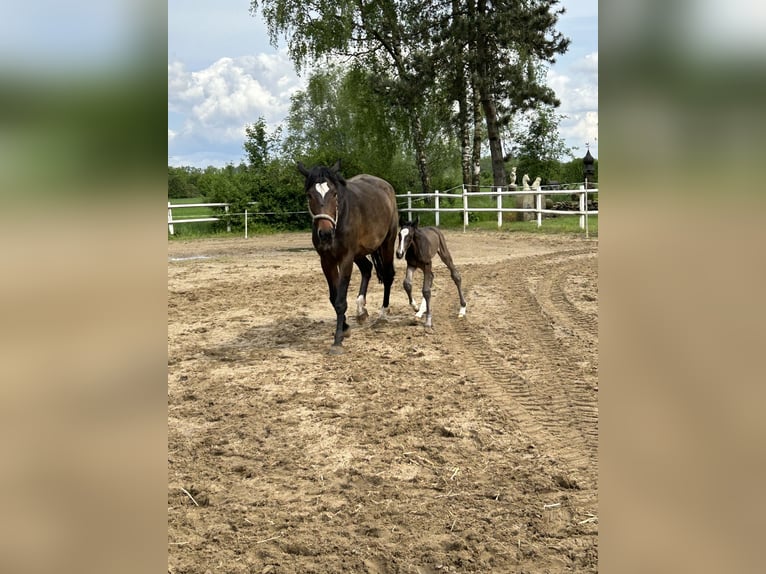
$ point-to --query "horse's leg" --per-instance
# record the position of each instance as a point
(428, 279)
(341, 304)
(330, 269)
(408, 286)
(365, 268)
(447, 258)
(386, 254)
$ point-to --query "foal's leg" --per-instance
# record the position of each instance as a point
(447, 258)
(428, 279)
(365, 268)
(408, 286)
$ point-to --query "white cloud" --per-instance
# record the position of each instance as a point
(579, 129)
(577, 88)
(213, 105)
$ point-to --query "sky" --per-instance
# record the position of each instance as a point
(223, 74)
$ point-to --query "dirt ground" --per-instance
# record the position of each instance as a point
(471, 447)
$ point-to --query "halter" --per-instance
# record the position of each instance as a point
(326, 216)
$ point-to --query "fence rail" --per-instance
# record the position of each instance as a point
(418, 205)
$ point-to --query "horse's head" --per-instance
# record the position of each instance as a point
(406, 233)
(322, 185)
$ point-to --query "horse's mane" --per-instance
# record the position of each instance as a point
(323, 173)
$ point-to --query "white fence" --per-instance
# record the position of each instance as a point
(172, 222)
(407, 205)
(499, 193)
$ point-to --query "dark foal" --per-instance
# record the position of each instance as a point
(419, 245)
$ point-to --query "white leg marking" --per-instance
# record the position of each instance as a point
(383, 312)
(423, 306)
(360, 303)
(462, 312)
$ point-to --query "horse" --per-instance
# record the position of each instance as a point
(351, 220)
(418, 245)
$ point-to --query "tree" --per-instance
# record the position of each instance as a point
(267, 180)
(259, 145)
(343, 115)
(386, 37)
(424, 55)
(516, 37)
(538, 148)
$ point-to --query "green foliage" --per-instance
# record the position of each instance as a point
(182, 182)
(342, 115)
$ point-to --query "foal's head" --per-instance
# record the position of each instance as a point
(406, 233)
(322, 185)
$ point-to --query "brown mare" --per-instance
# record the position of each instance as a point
(419, 245)
(351, 220)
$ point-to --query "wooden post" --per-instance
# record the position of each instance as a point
(228, 221)
(409, 205)
(436, 206)
(582, 208)
(246, 224)
(170, 219)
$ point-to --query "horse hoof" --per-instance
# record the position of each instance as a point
(337, 350)
(363, 317)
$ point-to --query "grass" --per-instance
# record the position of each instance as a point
(189, 212)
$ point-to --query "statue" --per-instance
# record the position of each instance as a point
(536, 183)
(513, 177)
(525, 182)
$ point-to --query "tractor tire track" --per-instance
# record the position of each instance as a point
(548, 381)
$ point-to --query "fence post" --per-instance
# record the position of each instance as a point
(499, 208)
(586, 208)
(409, 205)
(246, 224)
(228, 221)
(465, 208)
(170, 219)
(436, 206)
(539, 207)
(582, 207)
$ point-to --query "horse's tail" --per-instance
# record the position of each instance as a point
(377, 261)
